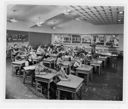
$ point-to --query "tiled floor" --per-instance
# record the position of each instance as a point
(107, 86)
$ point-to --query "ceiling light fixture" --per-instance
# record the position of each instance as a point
(67, 11)
(121, 12)
(39, 23)
(13, 20)
(78, 19)
(52, 22)
(53, 27)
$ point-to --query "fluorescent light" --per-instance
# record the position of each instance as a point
(121, 12)
(67, 12)
(40, 23)
(51, 22)
(78, 19)
(53, 27)
(13, 20)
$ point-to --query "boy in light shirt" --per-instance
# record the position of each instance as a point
(62, 74)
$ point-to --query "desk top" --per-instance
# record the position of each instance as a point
(96, 61)
(23, 55)
(66, 63)
(37, 58)
(53, 55)
(85, 68)
(49, 59)
(106, 54)
(74, 82)
(32, 67)
(19, 62)
(103, 57)
(46, 75)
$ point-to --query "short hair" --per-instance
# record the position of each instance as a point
(55, 77)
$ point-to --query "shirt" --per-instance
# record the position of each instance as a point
(39, 68)
(62, 74)
(59, 60)
(77, 64)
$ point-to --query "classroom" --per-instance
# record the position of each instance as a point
(64, 52)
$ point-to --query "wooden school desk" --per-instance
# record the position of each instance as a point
(45, 78)
(97, 64)
(104, 59)
(73, 85)
(28, 70)
(53, 55)
(17, 64)
(50, 61)
(66, 65)
(37, 59)
(87, 71)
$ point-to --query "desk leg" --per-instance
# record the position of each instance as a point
(12, 70)
(69, 69)
(99, 70)
(36, 85)
(58, 95)
(105, 62)
(24, 77)
(91, 74)
(50, 65)
(53, 64)
(74, 96)
(87, 79)
(48, 90)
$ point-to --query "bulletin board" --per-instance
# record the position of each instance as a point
(100, 40)
(57, 38)
(17, 36)
(112, 40)
(76, 39)
(86, 39)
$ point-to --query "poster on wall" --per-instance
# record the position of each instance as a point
(16, 36)
(76, 39)
(112, 40)
(86, 39)
(57, 39)
(100, 40)
(66, 38)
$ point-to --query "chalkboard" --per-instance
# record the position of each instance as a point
(17, 36)
(76, 39)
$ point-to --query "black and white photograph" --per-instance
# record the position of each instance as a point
(64, 52)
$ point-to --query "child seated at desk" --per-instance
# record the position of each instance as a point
(62, 74)
(39, 68)
(40, 51)
(59, 61)
(76, 64)
(86, 60)
(53, 87)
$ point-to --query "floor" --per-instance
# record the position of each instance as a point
(107, 86)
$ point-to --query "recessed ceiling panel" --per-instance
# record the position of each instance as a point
(52, 15)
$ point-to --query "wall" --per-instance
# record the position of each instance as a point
(121, 42)
(73, 26)
(36, 39)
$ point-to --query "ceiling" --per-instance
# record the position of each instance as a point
(53, 15)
